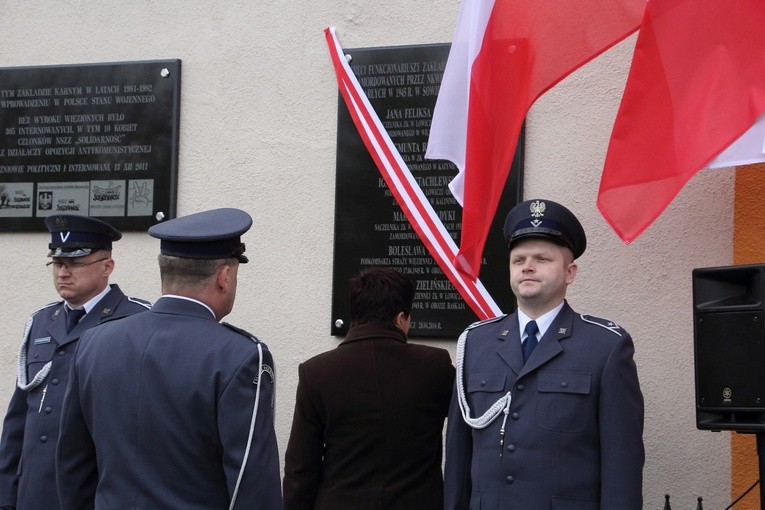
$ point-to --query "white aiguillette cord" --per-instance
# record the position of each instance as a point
(21, 375)
(500, 406)
(252, 427)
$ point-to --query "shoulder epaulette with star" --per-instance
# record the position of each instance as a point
(241, 332)
(55, 303)
(485, 321)
(267, 369)
(603, 323)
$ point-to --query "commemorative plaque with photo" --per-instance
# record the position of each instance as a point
(402, 84)
(97, 140)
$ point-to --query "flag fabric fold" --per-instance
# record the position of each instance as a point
(504, 55)
(696, 84)
(403, 186)
(747, 150)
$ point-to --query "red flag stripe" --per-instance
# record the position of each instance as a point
(426, 223)
(400, 181)
(423, 223)
(408, 195)
(379, 148)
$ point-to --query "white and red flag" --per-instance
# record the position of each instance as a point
(403, 186)
(505, 54)
(747, 150)
(696, 84)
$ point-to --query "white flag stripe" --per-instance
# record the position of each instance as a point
(408, 193)
(436, 241)
(448, 131)
(747, 150)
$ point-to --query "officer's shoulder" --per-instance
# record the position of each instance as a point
(241, 332)
(46, 307)
(606, 324)
(485, 322)
(140, 302)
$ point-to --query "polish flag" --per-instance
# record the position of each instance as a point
(697, 83)
(505, 54)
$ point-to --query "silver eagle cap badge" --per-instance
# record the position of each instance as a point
(537, 208)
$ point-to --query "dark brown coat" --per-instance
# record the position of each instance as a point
(367, 428)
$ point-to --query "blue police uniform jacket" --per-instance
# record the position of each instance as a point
(158, 413)
(573, 436)
(31, 426)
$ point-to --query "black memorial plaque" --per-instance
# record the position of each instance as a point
(402, 84)
(98, 140)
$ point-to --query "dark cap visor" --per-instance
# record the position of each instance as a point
(71, 252)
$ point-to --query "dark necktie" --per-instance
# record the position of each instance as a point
(531, 339)
(73, 317)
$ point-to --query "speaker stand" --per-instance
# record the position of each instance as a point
(761, 459)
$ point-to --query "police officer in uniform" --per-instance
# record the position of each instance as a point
(81, 261)
(547, 410)
(171, 408)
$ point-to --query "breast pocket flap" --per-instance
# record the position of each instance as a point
(40, 352)
(486, 381)
(564, 382)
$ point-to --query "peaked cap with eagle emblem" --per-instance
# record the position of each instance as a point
(77, 236)
(548, 219)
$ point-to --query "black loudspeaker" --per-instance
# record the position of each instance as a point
(729, 347)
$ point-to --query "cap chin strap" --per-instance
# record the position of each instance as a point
(500, 406)
(21, 375)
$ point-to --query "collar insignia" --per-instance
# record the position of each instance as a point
(562, 331)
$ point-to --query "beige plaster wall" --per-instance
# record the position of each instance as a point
(258, 120)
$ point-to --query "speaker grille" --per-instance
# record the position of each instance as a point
(730, 360)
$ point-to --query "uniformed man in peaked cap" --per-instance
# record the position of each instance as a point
(547, 410)
(171, 408)
(81, 262)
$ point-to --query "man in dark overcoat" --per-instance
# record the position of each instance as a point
(547, 410)
(172, 408)
(369, 415)
(81, 261)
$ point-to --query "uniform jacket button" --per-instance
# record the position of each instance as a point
(43, 439)
(509, 480)
(47, 410)
(511, 448)
(521, 387)
(516, 416)
(564, 384)
(54, 381)
(61, 353)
